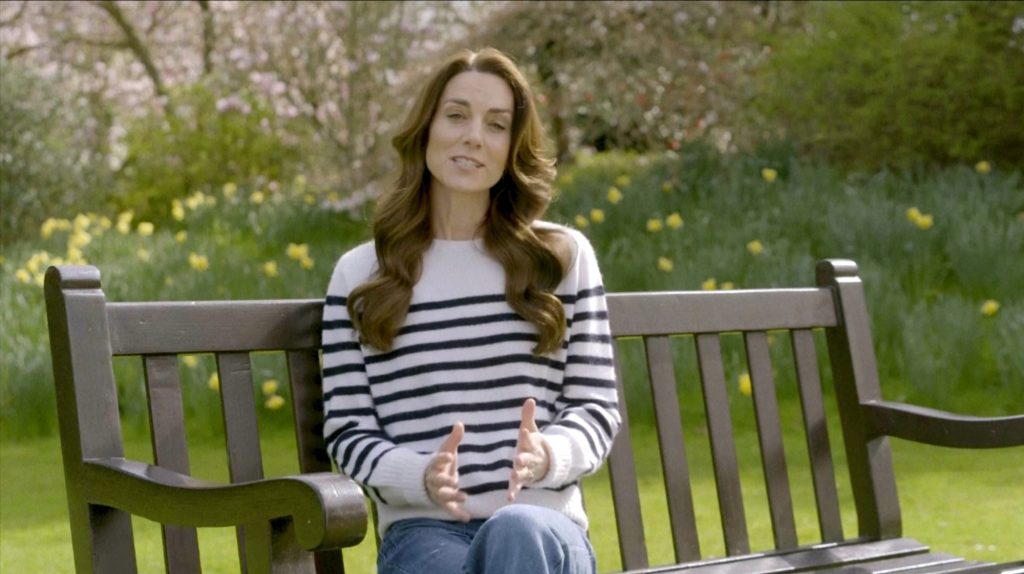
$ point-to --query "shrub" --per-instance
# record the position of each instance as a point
(212, 140)
(871, 84)
(50, 151)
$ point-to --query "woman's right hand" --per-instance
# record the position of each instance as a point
(442, 476)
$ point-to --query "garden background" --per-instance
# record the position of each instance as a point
(196, 149)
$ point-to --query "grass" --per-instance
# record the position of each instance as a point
(962, 502)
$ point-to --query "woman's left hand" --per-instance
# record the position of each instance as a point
(532, 459)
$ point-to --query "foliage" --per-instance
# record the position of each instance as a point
(695, 220)
(209, 141)
(50, 159)
(871, 84)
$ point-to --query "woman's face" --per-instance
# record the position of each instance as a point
(470, 134)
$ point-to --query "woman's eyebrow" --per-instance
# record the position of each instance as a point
(462, 102)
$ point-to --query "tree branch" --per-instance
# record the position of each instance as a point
(208, 36)
(135, 45)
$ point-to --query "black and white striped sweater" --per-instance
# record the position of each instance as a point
(464, 355)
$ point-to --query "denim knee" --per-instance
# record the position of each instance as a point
(522, 538)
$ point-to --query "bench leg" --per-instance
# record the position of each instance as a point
(102, 540)
(272, 549)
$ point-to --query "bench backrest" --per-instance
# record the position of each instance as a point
(90, 331)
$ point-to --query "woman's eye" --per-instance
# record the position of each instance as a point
(499, 127)
(455, 115)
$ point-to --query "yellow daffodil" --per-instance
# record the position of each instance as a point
(309, 198)
(269, 386)
(666, 187)
(105, 223)
(39, 279)
(709, 284)
(912, 214)
(257, 197)
(181, 236)
(654, 224)
(79, 239)
(614, 195)
(274, 402)
(198, 262)
(195, 201)
(581, 221)
(213, 382)
(145, 228)
(229, 189)
(75, 256)
(983, 167)
(297, 251)
(675, 221)
(921, 220)
(755, 247)
(190, 361)
(23, 276)
(623, 181)
(744, 384)
(665, 264)
(142, 254)
(768, 174)
(307, 262)
(82, 221)
(177, 210)
(565, 179)
(727, 286)
(270, 269)
(333, 197)
(990, 307)
(300, 182)
(597, 215)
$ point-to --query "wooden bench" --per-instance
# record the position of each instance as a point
(280, 520)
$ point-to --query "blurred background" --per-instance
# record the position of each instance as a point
(197, 150)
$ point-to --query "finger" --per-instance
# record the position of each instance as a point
(451, 444)
(514, 486)
(441, 461)
(528, 419)
(456, 510)
(448, 494)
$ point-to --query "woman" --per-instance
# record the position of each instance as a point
(468, 378)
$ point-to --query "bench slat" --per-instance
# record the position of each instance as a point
(245, 461)
(307, 410)
(625, 494)
(769, 434)
(214, 326)
(816, 428)
(723, 447)
(170, 450)
(673, 450)
(670, 313)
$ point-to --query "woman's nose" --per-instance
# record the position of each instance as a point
(473, 132)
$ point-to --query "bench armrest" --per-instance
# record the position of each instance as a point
(328, 509)
(941, 428)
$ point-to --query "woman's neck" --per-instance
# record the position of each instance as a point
(457, 216)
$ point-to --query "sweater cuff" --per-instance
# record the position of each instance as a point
(559, 461)
(401, 472)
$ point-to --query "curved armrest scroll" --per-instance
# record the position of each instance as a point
(328, 509)
(941, 428)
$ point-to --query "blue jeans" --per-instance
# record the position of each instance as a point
(518, 539)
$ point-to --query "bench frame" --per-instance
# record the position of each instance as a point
(296, 523)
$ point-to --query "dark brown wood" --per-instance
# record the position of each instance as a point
(629, 522)
(855, 377)
(308, 413)
(720, 311)
(723, 447)
(88, 417)
(170, 450)
(674, 464)
(769, 433)
(931, 426)
(816, 431)
(238, 402)
(214, 326)
(294, 523)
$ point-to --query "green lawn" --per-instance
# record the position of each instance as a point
(963, 502)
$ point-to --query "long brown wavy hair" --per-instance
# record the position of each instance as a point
(402, 228)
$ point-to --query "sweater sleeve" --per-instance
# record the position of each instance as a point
(391, 473)
(587, 416)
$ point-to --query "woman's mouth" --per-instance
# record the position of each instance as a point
(466, 163)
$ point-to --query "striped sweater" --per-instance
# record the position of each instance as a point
(464, 355)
